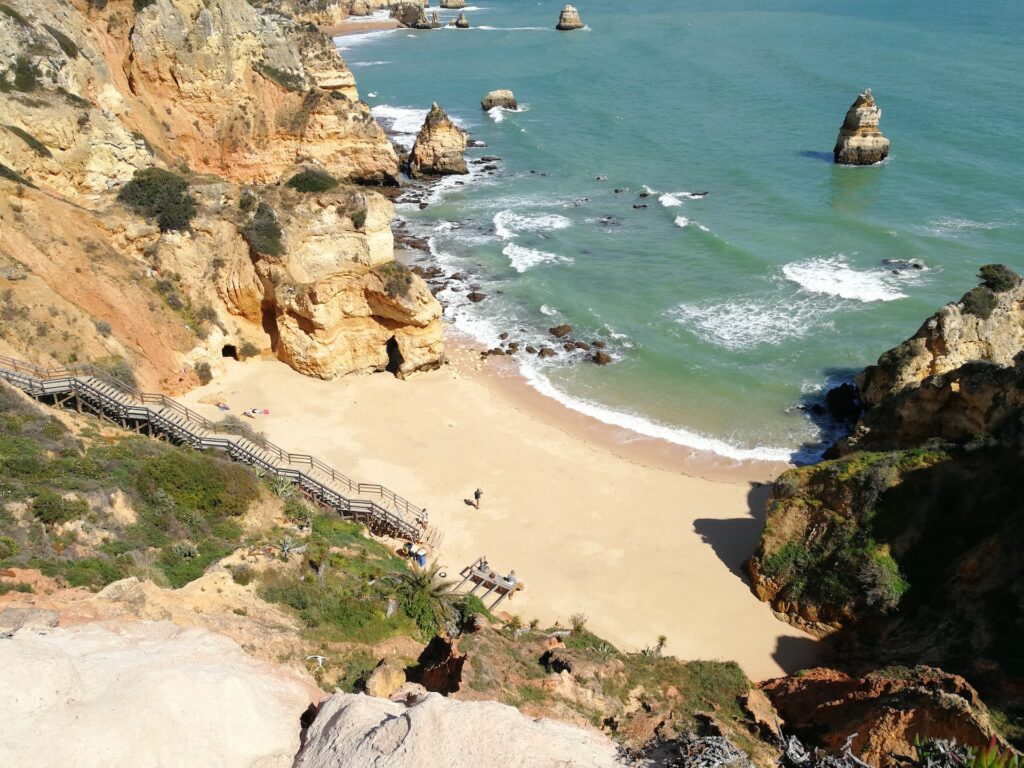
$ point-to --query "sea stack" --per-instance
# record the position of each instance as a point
(439, 147)
(435, 20)
(569, 19)
(462, 22)
(503, 98)
(860, 142)
(453, 5)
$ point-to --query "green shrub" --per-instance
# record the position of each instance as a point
(120, 370)
(204, 373)
(397, 279)
(66, 43)
(263, 233)
(312, 180)
(33, 143)
(8, 547)
(999, 277)
(26, 76)
(980, 301)
(94, 572)
(17, 586)
(6, 10)
(359, 218)
(248, 349)
(287, 80)
(139, 5)
(51, 509)
(242, 574)
(247, 201)
(102, 328)
(161, 195)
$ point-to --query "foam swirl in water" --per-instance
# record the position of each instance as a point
(834, 277)
(508, 224)
(522, 259)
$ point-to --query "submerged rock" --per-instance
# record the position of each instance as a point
(860, 142)
(569, 19)
(439, 147)
(501, 98)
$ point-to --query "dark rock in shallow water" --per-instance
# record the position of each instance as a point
(601, 358)
(597, 344)
(476, 297)
(546, 352)
(560, 330)
(640, 205)
(844, 403)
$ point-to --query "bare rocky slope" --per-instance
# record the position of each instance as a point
(904, 546)
(234, 101)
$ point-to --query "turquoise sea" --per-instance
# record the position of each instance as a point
(725, 312)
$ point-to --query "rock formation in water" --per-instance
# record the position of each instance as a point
(502, 98)
(860, 142)
(377, 733)
(453, 4)
(569, 19)
(440, 147)
(462, 22)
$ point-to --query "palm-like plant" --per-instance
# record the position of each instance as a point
(427, 598)
(284, 488)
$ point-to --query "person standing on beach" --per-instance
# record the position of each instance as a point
(476, 497)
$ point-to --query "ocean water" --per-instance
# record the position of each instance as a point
(724, 311)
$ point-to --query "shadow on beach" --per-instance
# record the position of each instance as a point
(735, 540)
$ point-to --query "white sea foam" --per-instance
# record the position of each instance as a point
(751, 322)
(650, 190)
(548, 311)
(954, 226)
(497, 114)
(674, 199)
(368, 63)
(522, 259)
(348, 42)
(508, 224)
(404, 122)
(834, 277)
(644, 426)
(682, 222)
(486, 28)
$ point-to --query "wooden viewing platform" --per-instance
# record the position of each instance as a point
(481, 575)
(90, 390)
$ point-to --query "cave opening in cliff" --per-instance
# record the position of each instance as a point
(270, 325)
(395, 358)
(229, 350)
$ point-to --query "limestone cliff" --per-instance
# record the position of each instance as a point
(860, 142)
(902, 544)
(987, 324)
(227, 93)
(437, 731)
(440, 147)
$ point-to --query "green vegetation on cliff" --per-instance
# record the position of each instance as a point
(161, 195)
(177, 509)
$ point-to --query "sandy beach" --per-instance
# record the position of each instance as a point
(592, 518)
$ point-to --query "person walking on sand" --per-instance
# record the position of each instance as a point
(476, 497)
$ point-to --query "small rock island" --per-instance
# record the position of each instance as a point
(439, 148)
(569, 18)
(860, 142)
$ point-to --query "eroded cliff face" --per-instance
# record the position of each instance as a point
(902, 546)
(227, 94)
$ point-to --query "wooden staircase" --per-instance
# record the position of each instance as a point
(89, 390)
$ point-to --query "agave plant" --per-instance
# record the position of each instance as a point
(283, 487)
(287, 547)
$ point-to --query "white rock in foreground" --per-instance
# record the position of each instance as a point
(436, 732)
(136, 695)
